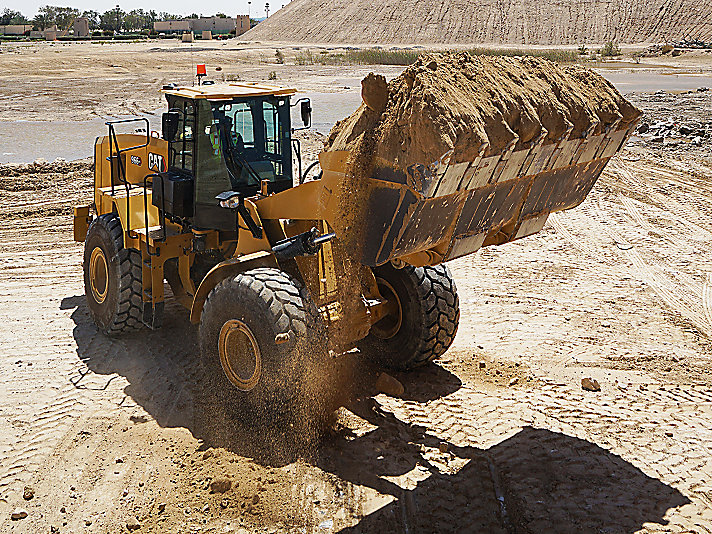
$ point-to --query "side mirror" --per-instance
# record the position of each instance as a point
(170, 125)
(306, 109)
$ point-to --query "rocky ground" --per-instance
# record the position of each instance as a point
(675, 123)
(104, 436)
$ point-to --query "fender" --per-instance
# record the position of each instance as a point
(225, 269)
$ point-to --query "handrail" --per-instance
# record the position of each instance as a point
(114, 143)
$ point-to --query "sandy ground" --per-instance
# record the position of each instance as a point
(498, 436)
(109, 432)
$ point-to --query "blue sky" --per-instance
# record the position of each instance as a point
(206, 7)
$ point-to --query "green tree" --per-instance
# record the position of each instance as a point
(112, 20)
(8, 16)
(41, 22)
(62, 17)
(168, 16)
(93, 17)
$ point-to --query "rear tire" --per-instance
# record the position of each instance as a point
(425, 327)
(264, 352)
(112, 277)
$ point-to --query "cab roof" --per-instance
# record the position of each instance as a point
(230, 91)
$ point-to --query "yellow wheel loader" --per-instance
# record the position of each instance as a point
(270, 264)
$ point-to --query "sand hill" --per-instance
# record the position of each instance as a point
(516, 22)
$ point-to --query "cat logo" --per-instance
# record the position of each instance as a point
(155, 162)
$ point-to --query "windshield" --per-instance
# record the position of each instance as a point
(252, 136)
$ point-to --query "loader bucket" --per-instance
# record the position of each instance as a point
(463, 151)
(429, 213)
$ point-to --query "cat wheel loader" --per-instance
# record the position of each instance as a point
(268, 263)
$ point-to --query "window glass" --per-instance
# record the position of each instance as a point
(181, 156)
(251, 135)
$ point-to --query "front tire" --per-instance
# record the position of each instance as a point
(425, 312)
(263, 350)
(112, 277)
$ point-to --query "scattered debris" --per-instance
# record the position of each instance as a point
(590, 384)
(18, 513)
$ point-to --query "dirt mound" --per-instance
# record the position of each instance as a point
(469, 106)
(518, 22)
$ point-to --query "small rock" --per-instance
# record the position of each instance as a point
(206, 508)
(207, 454)
(668, 434)
(483, 364)
(389, 385)
(590, 384)
(54, 529)
(697, 140)
(220, 485)
(87, 522)
(133, 524)
(119, 460)
(443, 447)
(161, 507)
(644, 127)
(513, 382)
(28, 494)
(224, 503)
(18, 513)
(281, 338)
(62, 510)
(256, 498)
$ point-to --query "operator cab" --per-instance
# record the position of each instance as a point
(228, 137)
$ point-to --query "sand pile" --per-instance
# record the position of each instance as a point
(472, 106)
(515, 22)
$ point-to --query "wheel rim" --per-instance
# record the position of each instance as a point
(239, 355)
(390, 325)
(98, 275)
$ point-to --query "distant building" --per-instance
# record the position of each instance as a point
(169, 26)
(81, 27)
(243, 24)
(216, 25)
(15, 29)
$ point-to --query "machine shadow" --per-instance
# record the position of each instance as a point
(535, 481)
(166, 378)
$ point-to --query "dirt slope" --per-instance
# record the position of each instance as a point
(542, 22)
